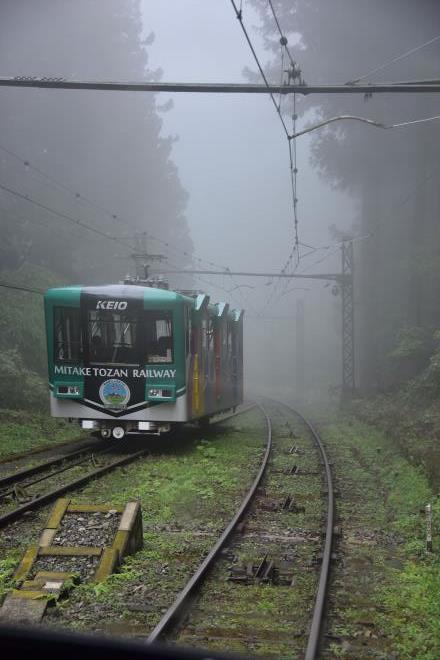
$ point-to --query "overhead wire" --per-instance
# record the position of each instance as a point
(63, 216)
(293, 73)
(365, 120)
(113, 216)
(282, 36)
(37, 220)
(239, 16)
(16, 287)
(388, 63)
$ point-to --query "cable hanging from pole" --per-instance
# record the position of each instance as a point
(63, 216)
(6, 285)
(395, 59)
(293, 74)
(364, 120)
(114, 216)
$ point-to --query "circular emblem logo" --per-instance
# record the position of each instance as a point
(114, 392)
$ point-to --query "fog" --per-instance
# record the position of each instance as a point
(209, 174)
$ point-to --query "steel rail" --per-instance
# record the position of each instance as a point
(64, 468)
(245, 409)
(42, 467)
(321, 594)
(168, 620)
(18, 456)
(61, 490)
(10, 516)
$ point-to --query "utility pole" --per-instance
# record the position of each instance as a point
(299, 351)
(343, 283)
(348, 362)
(142, 258)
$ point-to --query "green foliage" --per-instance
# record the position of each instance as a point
(20, 387)
(23, 432)
(390, 493)
(7, 568)
(414, 342)
(23, 365)
(22, 317)
(414, 604)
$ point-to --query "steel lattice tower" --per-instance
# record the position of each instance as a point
(348, 367)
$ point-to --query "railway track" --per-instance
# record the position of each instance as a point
(22, 477)
(36, 501)
(50, 449)
(23, 485)
(190, 620)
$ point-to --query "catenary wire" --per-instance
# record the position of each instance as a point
(114, 216)
(365, 120)
(395, 59)
(6, 285)
(292, 156)
(283, 38)
(63, 216)
(239, 16)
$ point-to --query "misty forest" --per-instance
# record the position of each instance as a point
(98, 186)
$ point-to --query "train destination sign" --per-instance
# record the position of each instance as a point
(113, 372)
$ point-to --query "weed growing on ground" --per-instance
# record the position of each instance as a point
(388, 592)
(21, 431)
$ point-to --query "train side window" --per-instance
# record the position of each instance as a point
(159, 337)
(67, 335)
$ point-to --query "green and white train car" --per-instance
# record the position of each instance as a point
(132, 359)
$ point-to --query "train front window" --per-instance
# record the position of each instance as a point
(112, 338)
(159, 337)
(67, 335)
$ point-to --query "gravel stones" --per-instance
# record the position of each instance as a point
(95, 529)
(83, 566)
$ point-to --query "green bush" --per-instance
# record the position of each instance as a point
(19, 386)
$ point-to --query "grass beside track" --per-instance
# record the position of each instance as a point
(386, 590)
(268, 620)
(22, 431)
(188, 492)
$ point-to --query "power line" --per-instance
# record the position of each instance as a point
(239, 16)
(114, 216)
(371, 122)
(395, 59)
(57, 183)
(37, 220)
(64, 216)
(284, 44)
(294, 74)
(5, 285)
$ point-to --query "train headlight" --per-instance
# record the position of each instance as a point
(68, 390)
(164, 393)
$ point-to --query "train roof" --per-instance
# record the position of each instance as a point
(71, 295)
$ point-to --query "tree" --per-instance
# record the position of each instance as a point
(108, 148)
(394, 174)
